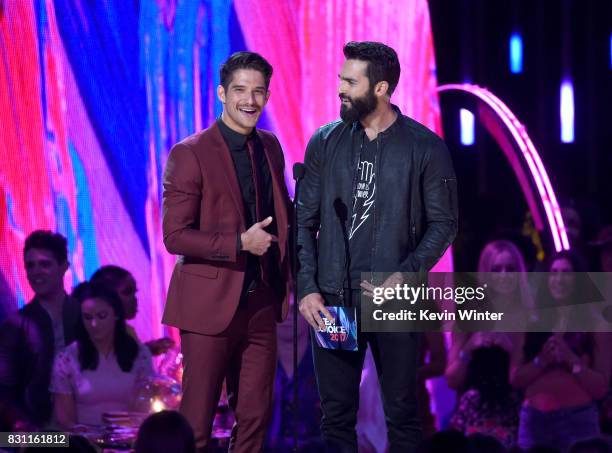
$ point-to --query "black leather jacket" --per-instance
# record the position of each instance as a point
(415, 208)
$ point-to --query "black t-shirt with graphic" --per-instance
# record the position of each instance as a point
(361, 226)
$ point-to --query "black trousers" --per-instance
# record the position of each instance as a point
(338, 378)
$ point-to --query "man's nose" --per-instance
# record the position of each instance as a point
(34, 269)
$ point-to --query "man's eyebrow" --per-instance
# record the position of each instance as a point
(260, 87)
(347, 79)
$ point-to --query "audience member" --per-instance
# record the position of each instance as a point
(561, 374)
(164, 432)
(564, 296)
(101, 371)
(501, 257)
(30, 338)
(123, 283)
(489, 406)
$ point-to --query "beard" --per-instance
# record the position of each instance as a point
(359, 107)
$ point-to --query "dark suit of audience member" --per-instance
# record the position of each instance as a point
(27, 348)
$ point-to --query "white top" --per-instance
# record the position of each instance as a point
(105, 389)
(57, 321)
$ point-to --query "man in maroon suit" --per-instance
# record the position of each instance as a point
(226, 213)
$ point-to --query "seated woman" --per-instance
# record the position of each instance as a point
(561, 374)
(103, 369)
(123, 283)
(489, 406)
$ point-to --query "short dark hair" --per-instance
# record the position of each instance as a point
(110, 275)
(165, 431)
(48, 240)
(244, 60)
(383, 63)
(577, 261)
(487, 373)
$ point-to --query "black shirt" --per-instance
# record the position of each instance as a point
(361, 226)
(237, 144)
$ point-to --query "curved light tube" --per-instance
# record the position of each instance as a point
(530, 156)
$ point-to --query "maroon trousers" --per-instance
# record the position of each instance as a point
(245, 355)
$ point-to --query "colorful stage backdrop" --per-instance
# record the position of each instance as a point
(93, 94)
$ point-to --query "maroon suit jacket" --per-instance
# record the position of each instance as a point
(203, 212)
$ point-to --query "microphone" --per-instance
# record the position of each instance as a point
(298, 175)
(298, 171)
(342, 214)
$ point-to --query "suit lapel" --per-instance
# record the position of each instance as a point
(227, 166)
(278, 189)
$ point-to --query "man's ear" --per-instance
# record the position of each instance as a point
(221, 94)
(382, 88)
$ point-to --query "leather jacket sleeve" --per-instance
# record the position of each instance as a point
(181, 209)
(439, 189)
(308, 219)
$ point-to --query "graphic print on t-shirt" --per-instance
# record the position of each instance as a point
(363, 198)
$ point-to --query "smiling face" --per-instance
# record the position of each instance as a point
(45, 274)
(99, 319)
(356, 95)
(244, 100)
(504, 277)
(561, 279)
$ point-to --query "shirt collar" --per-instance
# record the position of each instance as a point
(357, 126)
(235, 140)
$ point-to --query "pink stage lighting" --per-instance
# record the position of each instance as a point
(567, 112)
(529, 155)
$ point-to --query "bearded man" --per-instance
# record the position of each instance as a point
(379, 195)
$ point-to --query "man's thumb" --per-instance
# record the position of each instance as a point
(265, 222)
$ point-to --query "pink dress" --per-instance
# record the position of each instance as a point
(105, 389)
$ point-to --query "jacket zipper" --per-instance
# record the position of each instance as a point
(449, 190)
